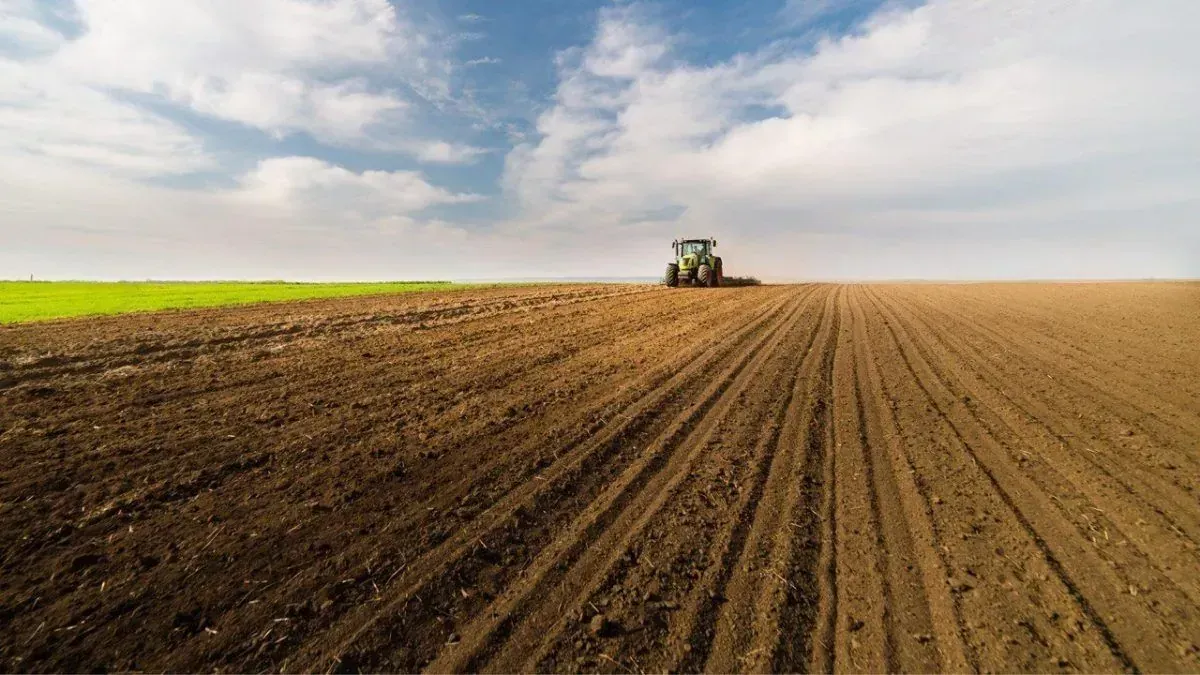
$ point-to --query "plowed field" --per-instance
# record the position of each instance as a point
(612, 478)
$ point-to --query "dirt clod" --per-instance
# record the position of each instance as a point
(600, 626)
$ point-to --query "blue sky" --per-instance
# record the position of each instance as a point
(506, 76)
(370, 139)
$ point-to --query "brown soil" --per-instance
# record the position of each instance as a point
(824, 478)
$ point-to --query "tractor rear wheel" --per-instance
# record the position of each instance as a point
(672, 276)
(704, 275)
(718, 274)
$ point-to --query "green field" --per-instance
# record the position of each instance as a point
(41, 300)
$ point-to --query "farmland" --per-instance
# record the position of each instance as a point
(993, 477)
(39, 301)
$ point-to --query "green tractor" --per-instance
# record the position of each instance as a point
(694, 263)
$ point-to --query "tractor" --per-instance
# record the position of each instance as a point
(694, 263)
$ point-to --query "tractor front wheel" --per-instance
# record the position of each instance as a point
(704, 275)
(672, 276)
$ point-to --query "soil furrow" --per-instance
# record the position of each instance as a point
(609, 478)
(1174, 429)
(657, 613)
(566, 485)
(916, 535)
(151, 352)
(1131, 353)
(312, 434)
(1093, 444)
(591, 545)
(823, 650)
(904, 614)
(1083, 482)
(696, 536)
(995, 551)
(738, 578)
(785, 627)
(857, 632)
(728, 590)
(1126, 626)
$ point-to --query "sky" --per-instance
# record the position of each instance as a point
(461, 139)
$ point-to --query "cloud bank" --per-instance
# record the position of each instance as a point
(1015, 139)
(954, 139)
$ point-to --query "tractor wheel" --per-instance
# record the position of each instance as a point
(704, 275)
(672, 276)
(718, 274)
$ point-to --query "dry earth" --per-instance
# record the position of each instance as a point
(823, 478)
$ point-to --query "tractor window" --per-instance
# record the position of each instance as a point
(690, 247)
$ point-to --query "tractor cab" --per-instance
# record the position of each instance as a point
(696, 248)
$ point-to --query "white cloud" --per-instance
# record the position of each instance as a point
(487, 60)
(440, 152)
(79, 137)
(289, 217)
(991, 138)
(307, 184)
(277, 65)
(21, 33)
(927, 123)
(345, 71)
(44, 116)
(624, 46)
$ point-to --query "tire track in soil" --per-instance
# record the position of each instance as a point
(149, 352)
(330, 384)
(1127, 628)
(853, 478)
(725, 591)
(1125, 384)
(910, 525)
(768, 613)
(1014, 609)
(1071, 431)
(513, 527)
(579, 558)
(696, 536)
(1088, 481)
(1103, 389)
(185, 484)
(728, 346)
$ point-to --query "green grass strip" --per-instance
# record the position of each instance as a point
(22, 301)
